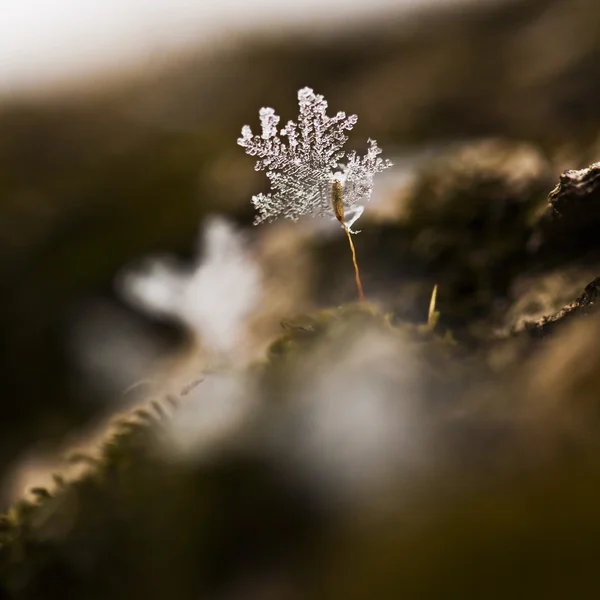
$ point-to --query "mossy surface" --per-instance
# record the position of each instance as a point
(139, 525)
(138, 522)
(141, 522)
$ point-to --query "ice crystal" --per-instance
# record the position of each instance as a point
(302, 170)
(213, 300)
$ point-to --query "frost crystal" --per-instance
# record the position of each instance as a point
(301, 172)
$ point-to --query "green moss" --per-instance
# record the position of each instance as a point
(146, 522)
(137, 523)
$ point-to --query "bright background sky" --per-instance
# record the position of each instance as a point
(50, 42)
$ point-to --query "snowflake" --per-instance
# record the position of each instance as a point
(303, 171)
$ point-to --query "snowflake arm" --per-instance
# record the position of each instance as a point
(302, 170)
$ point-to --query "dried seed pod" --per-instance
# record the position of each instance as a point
(337, 200)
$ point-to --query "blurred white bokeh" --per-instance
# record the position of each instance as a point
(48, 43)
(213, 300)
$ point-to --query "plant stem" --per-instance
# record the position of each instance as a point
(361, 295)
(338, 209)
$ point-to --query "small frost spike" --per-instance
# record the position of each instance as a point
(302, 170)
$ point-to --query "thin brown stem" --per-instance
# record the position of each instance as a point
(361, 295)
(338, 209)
